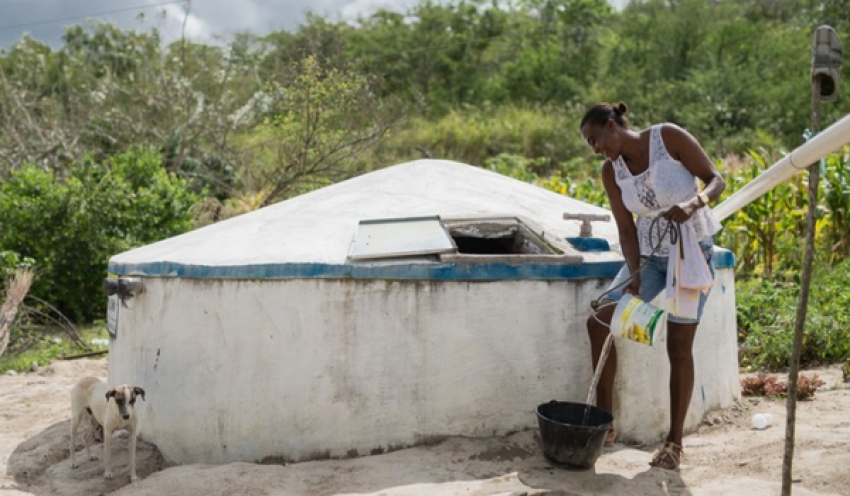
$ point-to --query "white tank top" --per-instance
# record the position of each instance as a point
(666, 182)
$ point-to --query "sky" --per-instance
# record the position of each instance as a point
(204, 21)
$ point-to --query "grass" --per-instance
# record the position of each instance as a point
(46, 346)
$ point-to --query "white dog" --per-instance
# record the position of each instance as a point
(114, 409)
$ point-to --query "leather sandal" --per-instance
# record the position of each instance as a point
(667, 457)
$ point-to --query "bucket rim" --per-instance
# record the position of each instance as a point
(556, 402)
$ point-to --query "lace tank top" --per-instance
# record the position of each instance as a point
(666, 182)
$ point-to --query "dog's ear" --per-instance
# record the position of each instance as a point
(110, 394)
(139, 391)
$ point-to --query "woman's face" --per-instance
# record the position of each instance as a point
(602, 139)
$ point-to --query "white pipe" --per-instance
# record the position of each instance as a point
(819, 146)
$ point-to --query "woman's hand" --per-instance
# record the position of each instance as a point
(683, 211)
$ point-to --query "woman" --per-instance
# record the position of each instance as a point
(648, 174)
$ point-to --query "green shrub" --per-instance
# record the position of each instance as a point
(547, 134)
(588, 190)
(515, 166)
(72, 227)
(765, 235)
(767, 312)
(10, 261)
(41, 345)
(834, 226)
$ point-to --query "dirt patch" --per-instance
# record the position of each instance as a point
(36, 412)
(724, 456)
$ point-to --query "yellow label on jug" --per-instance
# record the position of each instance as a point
(636, 320)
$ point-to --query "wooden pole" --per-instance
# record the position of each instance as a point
(805, 282)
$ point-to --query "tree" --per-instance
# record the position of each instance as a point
(71, 226)
(107, 90)
(322, 120)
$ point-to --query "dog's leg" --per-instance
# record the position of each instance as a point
(95, 430)
(76, 417)
(107, 453)
(133, 476)
(87, 440)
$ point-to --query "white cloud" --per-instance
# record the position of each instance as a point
(193, 27)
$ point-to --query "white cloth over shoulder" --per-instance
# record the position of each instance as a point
(688, 274)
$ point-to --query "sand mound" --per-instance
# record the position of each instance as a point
(725, 456)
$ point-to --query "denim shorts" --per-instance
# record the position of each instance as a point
(653, 280)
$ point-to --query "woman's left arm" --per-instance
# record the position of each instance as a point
(683, 147)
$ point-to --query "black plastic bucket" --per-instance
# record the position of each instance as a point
(565, 440)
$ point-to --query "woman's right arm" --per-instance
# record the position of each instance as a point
(625, 226)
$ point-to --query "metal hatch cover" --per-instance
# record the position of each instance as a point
(401, 237)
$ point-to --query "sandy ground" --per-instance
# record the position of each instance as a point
(724, 457)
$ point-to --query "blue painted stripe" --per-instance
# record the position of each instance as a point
(413, 271)
(589, 244)
(400, 271)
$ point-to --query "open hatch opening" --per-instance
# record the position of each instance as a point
(497, 236)
(504, 239)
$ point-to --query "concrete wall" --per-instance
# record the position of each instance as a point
(297, 369)
(642, 397)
